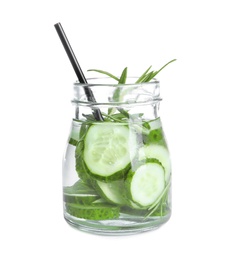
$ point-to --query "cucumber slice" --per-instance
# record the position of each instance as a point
(158, 152)
(80, 188)
(99, 212)
(155, 137)
(146, 184)
(82, 199)
(80, 193)
(112, 191)
(80, 166)
(108, 150)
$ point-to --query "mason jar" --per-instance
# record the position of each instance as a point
(116, 165)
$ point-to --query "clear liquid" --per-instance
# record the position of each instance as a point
(132, 217)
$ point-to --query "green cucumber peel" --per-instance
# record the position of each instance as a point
(83, 169)
(81, 199)
(80, 165)
(114, 177)
(133, 176)
(96, 212)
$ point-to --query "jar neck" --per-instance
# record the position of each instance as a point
(148, 112)
(109, 100)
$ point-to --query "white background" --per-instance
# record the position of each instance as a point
(36, 88)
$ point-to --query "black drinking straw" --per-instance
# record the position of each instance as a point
(77, 69)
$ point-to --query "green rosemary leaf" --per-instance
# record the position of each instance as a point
(123, 77)
(124, 112)
(111, 117)
(143, 75)
(122, 80)
(149, 76)
(111, 110)
(156, 72)
(153, 210)
(165, 66)
(147, 125)
(119, 116)
(89, 118)
(117, 93)
(106, 73)
(158, 201)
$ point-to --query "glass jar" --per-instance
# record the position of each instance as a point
(116, 166)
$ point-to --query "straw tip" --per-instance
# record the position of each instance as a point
(57, 24)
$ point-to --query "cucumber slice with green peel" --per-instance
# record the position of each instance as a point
(146, 184)
(82, 170)
(155, 136)
(79, 187)
(82, 199)
(80, 166)
(80, 193)
(158, 152)
(112, 191)
(155, 133)
(98, 212)
(108, 150)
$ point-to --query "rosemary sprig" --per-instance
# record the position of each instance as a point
(112, 118)
(117, 92)
(145, 77)
(118, 95)
(106, 73)
(123, 77)
(157, 202)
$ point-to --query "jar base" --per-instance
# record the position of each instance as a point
(125, 225)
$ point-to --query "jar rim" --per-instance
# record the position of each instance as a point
(104, 91)
(89, 83)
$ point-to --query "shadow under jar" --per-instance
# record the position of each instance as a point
(117, 172)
